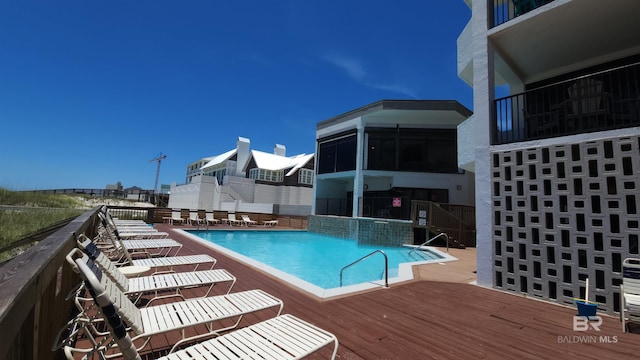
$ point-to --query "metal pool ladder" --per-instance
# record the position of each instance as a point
(430, 240)
(386, 266)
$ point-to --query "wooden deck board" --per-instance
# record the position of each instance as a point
(425, 319)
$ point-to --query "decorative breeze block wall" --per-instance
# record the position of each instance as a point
(563, 213)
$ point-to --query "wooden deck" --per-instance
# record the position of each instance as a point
(425, 319)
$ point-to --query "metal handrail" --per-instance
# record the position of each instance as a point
(386, 266)
(430, 240)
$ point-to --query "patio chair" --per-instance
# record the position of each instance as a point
(524, 6)
(588, 105)
(247, 221)
(142, 324)
(194, 218)
(210, 219)
(270, 223)
(137, 287)
(231, 220)
(160, 264)
(630, 292)
(176, 217)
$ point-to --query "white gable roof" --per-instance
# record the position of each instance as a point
(268, 161)
(220, 158)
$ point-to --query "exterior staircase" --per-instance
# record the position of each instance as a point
(457, 221)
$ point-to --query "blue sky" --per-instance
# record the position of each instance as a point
(90, 91)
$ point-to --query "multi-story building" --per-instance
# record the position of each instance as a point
(554, 144)
(372, 161)
(248, 180)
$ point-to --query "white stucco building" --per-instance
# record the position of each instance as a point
(554, 144)
(248, 180)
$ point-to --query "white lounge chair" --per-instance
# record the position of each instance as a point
(141, 324)
(283, 337)
(210, 219)
(630, 292)
(194, 218)
(231, 220)
(247, 221)
(110, 238)
(158, 264)
(137, 287)
(176, 217)
(270, 223)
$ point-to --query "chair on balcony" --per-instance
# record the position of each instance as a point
(543, 123)
(524, 6)
(588, 105)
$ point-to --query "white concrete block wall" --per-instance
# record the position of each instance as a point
(564, 211)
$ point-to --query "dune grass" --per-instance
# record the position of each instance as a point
(33, 212)
(35, 199)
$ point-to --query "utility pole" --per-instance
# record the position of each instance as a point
(155, 186)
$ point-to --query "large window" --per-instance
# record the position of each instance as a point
(337, 155)
(305, 176)
(218, 171)
(420, 150)
(266, 175)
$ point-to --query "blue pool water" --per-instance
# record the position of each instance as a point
(315, 258)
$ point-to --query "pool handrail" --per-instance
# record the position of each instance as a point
(386, 266)
(430, 240)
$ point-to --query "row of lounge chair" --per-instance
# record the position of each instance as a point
(118, 315)
(209, 219)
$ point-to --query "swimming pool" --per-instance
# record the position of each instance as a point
(314, 261)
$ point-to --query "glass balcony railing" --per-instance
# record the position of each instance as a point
(604, 100)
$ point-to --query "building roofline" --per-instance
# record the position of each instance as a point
(437, 105)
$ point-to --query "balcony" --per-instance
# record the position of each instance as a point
(597, 101)
(505, 10)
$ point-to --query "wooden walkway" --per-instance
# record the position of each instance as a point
(424, 319)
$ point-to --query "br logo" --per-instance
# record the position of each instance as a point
(583, 323)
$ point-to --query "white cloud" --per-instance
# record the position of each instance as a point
(356, 70)
(351, 66)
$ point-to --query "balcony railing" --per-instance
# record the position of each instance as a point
(505, 10)
(599, 101)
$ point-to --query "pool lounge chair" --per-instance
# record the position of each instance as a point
(231, 220)
(270, 223)
(141, 324)
(630, 292)
(109, 238)
(159, 264)
(195, 219)
(210, 219)
(170, 284)
(176, 217)
(247, 221)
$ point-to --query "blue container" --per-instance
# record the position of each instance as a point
(586, 309)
